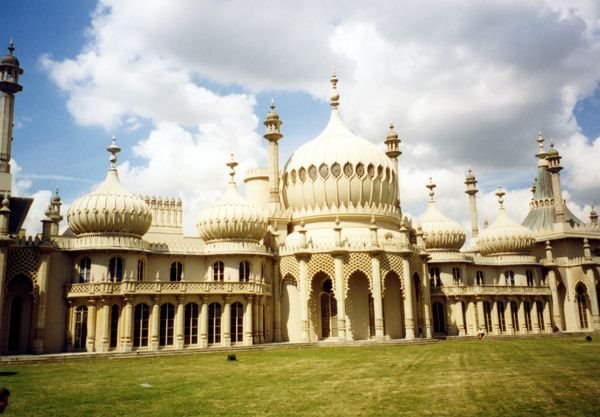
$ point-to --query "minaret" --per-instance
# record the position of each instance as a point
(593, 217)
(273, 134)
(56, 217)
(554, 167)
(393, 152)
(9, 86)
(471, 183)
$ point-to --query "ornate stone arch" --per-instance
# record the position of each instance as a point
(288, 265)
(357, 261)
(391, 262)
(321, 262)
(23, 261)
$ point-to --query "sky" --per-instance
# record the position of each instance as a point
(184, 84)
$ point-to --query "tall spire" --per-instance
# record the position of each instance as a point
(335, 96)
(471, 183)
(113, 149)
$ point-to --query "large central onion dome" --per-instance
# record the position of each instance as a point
(110, 209)
(339, 169)
(439, 232)
(232, 217)
(504, 236)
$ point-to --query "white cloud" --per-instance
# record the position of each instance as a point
(22, 187)
(466, 84)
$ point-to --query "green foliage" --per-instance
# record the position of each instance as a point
(550, 376)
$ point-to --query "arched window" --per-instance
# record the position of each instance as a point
(191, 324)
(218, 271)
(581, 306)
(167, 319)
(514, 310)
(529, 276)
(455, 276)
(244, 271)
(141, 269)
(214, 323)
(501, 320)
(237, 323)
(140, 325)
(176, 271)
(85, 270)
(439, 314)
(329, 315)
(80, 334)
(540, 314)
(527, 308)
(509, 278)
(487, 316)
(479, 278)
(114, 325)
(115, 269)
(434, 277)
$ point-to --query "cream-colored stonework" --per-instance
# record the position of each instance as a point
(317, 251)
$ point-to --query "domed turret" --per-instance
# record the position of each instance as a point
(439, 232)
(504, 236)
(110, 209)
(339, 169)
(232, 217)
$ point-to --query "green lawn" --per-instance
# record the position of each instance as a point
(552, 376)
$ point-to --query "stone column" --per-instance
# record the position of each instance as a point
(42, 283)
(255, 337)
(127, 342)
(426, 302)
(340, 295)
(508, 318)
(226, 325)
(409, 324)
(595, 325)
(91, 327)
(69, 330)
(494, 314)
(522, 321)
(261, 319)
(248, 321)
(303, 272)
(535, 317)
(277, 301)
(481, 315)
(204, 322)
(377, 304)
(155, 323)
(105, 322)
(556, 315)
(547, 317)
(179, 322)
(472, 314)
(461, 315)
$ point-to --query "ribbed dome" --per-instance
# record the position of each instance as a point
(439, 232)
(504, 236)
(337, 169)
(110, 209)
(232, 217)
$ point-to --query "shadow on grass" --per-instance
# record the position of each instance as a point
(7, 373)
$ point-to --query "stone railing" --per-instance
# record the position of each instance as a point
(461, 290)
(155, 288)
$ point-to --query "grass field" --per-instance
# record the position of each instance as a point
(552, 376)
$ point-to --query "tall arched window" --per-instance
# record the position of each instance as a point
(80, 334)
(85, 269)
(218, 271)
(114, 325)
(115, 269)
(237, 323)
(167, 320)
(439, 314)
(529, 275)
(140, 325)
(141, 269)
(434, 277)
(581, 306)
(527, 308)
(509, 278)
(515, 315)
(455, 276)
(501, 320)
(479, 278)
(244, 271)
(191, 324)
(487, 316)
(214, 323)
(176, 271)
(540, 314)
(329, 315)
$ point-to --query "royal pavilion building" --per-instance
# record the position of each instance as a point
(316, 251)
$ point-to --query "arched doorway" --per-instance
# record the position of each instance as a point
(582, 314)
(562, 302)
(439, 318)
(393, 306)
(323, 308)
(19, 296)
(290, 310)
(359, 307)
(214, 323)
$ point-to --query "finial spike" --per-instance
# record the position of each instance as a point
(232, 164)
(335, 96)
(11, 45)
(431, 187)
(500, 194)
(113, 149)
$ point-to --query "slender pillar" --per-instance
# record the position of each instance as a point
(226, 327)
(105, 323)
(42, 282)
(480, 315)
(340, 295)
(508, 318)
(69, 330)
(547, 317)
(522, 321)
(179, 323)
(303, 272)
(155, 323)
(377, 304)
(472, 315)
(472, 191)
(535, 317)
(495, 321)
(277, 301)
(261, 319)
(127, 341)
(426, 302)
(409, 324)
(91, 327)
(255, 337)
(204, 322)
(556, 314)
(248, 321)
(593, 298)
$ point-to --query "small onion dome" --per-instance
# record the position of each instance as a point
(439, 232)
(10, 58)
(232, 217)
(110, 209)
(504, 236)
